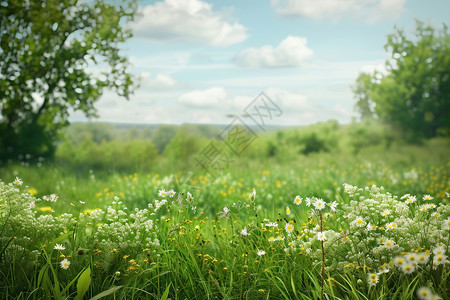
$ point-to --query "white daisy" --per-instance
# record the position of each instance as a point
(289, 227)
(162, 193)
(171, 193)
(372, 279)
(321, 236)
(408, 268)
(410, 199)
(427, 197)
(65, 264)
(18, 181)
(59, 247)
(319, 204)
(424, 293)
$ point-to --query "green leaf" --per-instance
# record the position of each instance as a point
(83, 283)
(59, 239)
(107, 292)
(166, 292)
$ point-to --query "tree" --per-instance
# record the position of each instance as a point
(57, 57)
(361, 91)
(414, 94)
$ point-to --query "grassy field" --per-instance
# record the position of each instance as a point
(243, 235)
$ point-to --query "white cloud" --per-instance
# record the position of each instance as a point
(288, 100)
(158, 82)
(292, 52)
(370, 11)
(191, 21)
(204, 98)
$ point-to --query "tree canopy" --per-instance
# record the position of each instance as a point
(414, 93)
(57, 57)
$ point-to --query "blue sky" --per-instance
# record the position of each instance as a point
(200, 61)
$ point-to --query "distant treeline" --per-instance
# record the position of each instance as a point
(155, 148)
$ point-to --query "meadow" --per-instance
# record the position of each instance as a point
(326, 212)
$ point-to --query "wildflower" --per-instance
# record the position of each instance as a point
(389, 243)
(359, 221)
(288, 210)
(427, 197)
(446, 224)
(424, 207)
(383, 268)
(279, 238)
(308, 201)
(171, 193)
(162, 193)
(271, 239)
(412, 257)
(117, 273)
(319, 204)
(439, 250)
(390, 226)
(399, 261)
(261, 252)
(18, 181)
(297, 200)
(385, 212)
(333, 206)
(252, 196)
(410, 199)
(424, 293)
(436, 214)
(189, 197)
(53, 198)
(371, 227)
(321, 236)
(439, 259)
(405, 196)
(289, 228)
(82, 202)
(65, 264)
(59, 247)
(244, 232)
(422, 258)
(408, 268)
(372, 279)
(272, 224)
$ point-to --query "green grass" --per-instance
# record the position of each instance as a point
(202, 254)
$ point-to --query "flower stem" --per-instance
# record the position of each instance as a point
(323, 256)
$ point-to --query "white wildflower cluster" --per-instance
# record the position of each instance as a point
(29, 228)
(383, 231)
(158, 204)
(181, 202)
(122, 229)
(249, 204)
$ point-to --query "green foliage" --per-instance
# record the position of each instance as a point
(108, 155)
(361, 90)
(414, 95)
(181, 149)
(46, 51)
